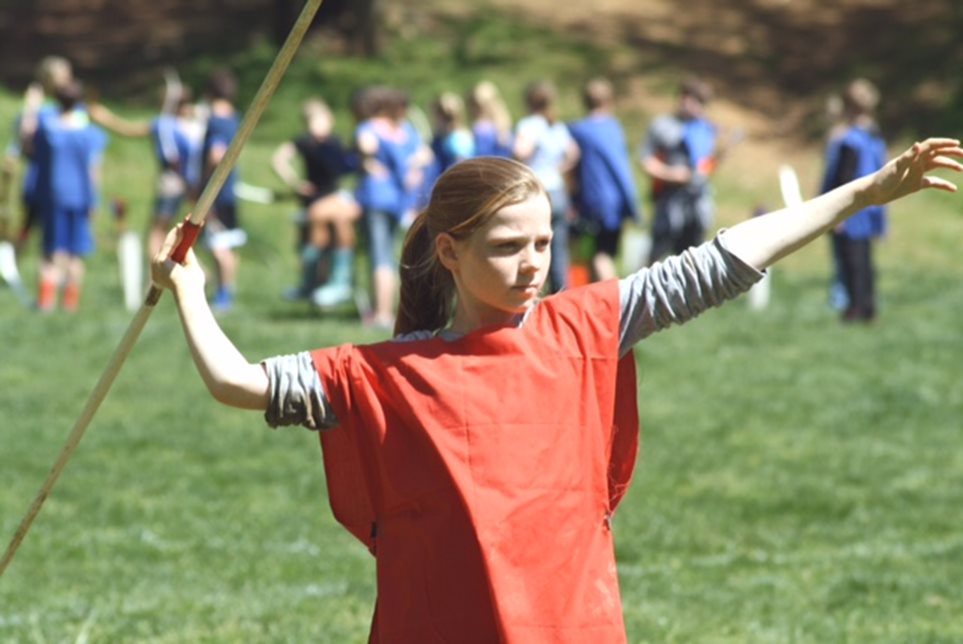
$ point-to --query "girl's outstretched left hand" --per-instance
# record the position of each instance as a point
(909, 172)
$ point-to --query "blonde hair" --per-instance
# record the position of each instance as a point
(54, 72)
(465, 197)
(314, 107)
(450, 111)
(486, 103)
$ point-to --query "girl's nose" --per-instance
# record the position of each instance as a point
(532, 259)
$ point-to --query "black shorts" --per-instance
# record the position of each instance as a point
(226, 214)
(607, 241)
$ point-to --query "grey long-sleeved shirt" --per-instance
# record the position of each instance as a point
(669, 292)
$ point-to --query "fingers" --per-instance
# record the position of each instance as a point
(170, 242)
(937, 142)
(932, 147)
(939, 184)
(945, 163)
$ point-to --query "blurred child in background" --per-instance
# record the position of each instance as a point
(856, 151)
(678, 155)
(836, 126)
(176, 136)
(453, 141)
(223, 233)
(381, 192)
(39, 102)
(414, 156)
(545, 145)
(491, 122)
(328, 211)
(67, 150)
(605, 195)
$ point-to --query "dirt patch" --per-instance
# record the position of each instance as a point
(773, 63)
(779, 59)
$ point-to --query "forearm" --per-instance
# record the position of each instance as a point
(282, 164)
(761, 241)
(107, 119)
(229, 377)
(680, 288)
(572, 156)
(28, 128)
(661, 171)
(524, 147)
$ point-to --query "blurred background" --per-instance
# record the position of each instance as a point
(767, 54)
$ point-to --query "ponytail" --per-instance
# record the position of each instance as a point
(426, 286)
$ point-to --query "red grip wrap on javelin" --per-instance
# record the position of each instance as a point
(190, 231)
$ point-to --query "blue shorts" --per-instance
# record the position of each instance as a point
(166, 208)
(224, 215)
(169, 192)
(67, 230)
(380, 227)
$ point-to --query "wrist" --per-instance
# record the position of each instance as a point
(863, 193)
(186, 290)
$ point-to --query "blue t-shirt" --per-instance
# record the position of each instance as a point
(864, 151)
(408, 145)
(488, 142)
(220, 133)
(171, 145)
(447, 149)
(699, 136)
(451, 148)
(66, 151)
(30, 175)
(384, 192)
(607, 192)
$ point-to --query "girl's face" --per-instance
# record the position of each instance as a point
(500, 269)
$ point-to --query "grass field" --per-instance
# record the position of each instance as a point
(801, 481)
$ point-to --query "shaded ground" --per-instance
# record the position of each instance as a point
(778, 59)
(774, 56)
(773, 63)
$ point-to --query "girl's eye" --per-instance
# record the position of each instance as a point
(542, 244)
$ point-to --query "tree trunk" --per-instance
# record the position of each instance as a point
(366, 37)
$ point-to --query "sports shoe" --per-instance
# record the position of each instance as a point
(332, 295)
(223, 301)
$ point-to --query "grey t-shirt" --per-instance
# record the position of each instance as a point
(669, 292)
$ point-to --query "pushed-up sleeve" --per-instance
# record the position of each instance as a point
(297, 396)
(679, 288)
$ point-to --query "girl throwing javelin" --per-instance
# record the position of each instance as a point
(481, 453)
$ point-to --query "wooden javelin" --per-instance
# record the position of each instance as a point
(191, 229)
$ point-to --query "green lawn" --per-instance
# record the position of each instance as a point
(800, 480)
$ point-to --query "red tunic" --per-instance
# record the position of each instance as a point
(482, 473)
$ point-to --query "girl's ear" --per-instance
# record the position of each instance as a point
(446, 251)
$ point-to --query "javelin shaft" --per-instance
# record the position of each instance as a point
(204, 203)
(260, 101)
(93, 402)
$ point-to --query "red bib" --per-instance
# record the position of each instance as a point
(482, 474)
